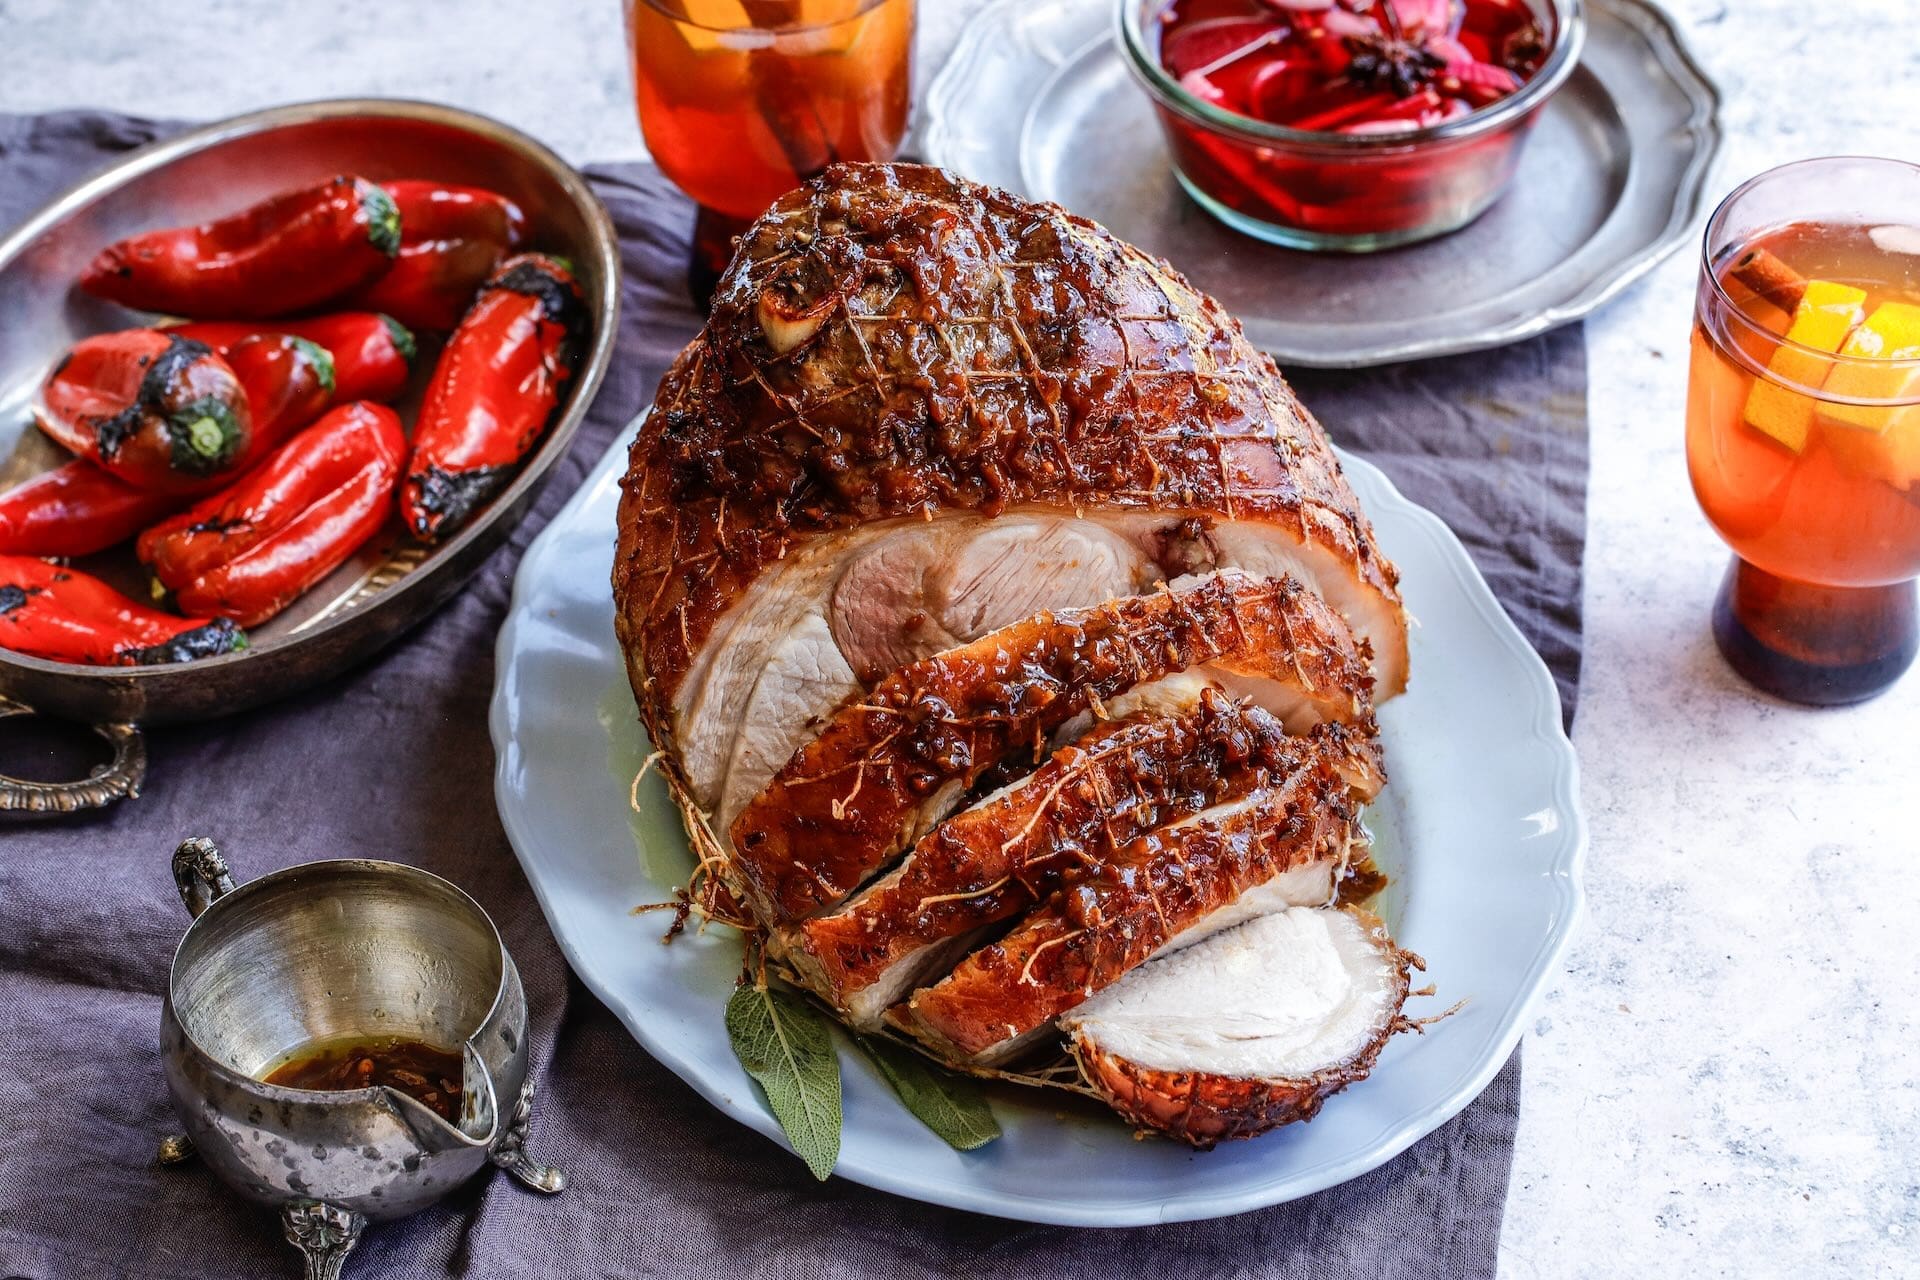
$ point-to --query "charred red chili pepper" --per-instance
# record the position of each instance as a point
(285, 254)
(431, 285)
(64, 615)
(288, 381)
(493, 392)
(451, 240)
(443, 211)
(76, 510)
(250, 551)
(159, 411)
(372, 354)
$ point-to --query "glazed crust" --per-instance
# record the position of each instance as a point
(847, 801)
(1121, 913)
(1202, 1108)
(993, 861)
(892, 340)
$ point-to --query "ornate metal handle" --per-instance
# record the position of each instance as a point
(323, 1233)
(118, 779)
(200, 874)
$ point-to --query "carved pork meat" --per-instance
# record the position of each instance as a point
(1008, 634)
(1251, 1029)
(892, 762)
(1284, 845)
(994, 861)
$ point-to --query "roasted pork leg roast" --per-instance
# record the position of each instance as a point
(1005, 625)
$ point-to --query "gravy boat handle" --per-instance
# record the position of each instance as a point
(200, 874)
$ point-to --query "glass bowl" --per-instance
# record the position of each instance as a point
(1350, 192)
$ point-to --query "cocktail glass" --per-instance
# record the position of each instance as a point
(742, 100)
(1803, 424)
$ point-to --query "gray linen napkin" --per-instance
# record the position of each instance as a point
(393, 761)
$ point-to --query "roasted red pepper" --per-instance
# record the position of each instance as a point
(443, 211)
(252, 550)
(289, 383)
(48, 611)
(372, 354)
(431, 285)
(285, 254)
(76, 510)
(493, 392)
(451, 240)
(159, 411)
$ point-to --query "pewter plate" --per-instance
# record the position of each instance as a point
(1480, 829)
(1037, 99)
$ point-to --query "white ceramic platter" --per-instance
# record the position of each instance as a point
(1480, 828)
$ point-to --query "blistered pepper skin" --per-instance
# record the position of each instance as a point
(289, 382)
(294, 251)
(446, 211)
(60, 614)
(499, 380)
(252, 550)
(157, 410)
(75, 510)
(452, 240)
(432, 284)
(372, 353)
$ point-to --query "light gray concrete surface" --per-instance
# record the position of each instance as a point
(1722, 1080)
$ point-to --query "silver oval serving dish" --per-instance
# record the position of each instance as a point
(392, 583)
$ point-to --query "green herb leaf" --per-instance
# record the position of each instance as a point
(950, 1104)
(784, 1044)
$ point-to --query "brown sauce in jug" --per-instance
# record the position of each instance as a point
(424, 1072)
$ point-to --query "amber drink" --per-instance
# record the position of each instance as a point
(742, 100)
(1803, 424)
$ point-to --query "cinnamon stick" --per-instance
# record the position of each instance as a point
(1764, 273)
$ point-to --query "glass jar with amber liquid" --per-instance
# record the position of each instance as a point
(1803, 424)
(742, 100)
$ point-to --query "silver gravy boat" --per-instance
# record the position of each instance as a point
(327, 950)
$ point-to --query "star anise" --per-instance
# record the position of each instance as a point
(1389, 59)
(1388, 62)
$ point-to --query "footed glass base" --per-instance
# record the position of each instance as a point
(1823, 646)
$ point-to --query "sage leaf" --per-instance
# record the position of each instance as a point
(784, 1044)
(950, 1104)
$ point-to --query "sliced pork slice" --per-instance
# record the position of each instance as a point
(894, 762)
(952, 581)
(1249, 1030)
(804, 679)
(899, 598)
(1283, 846)
(991, 862)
